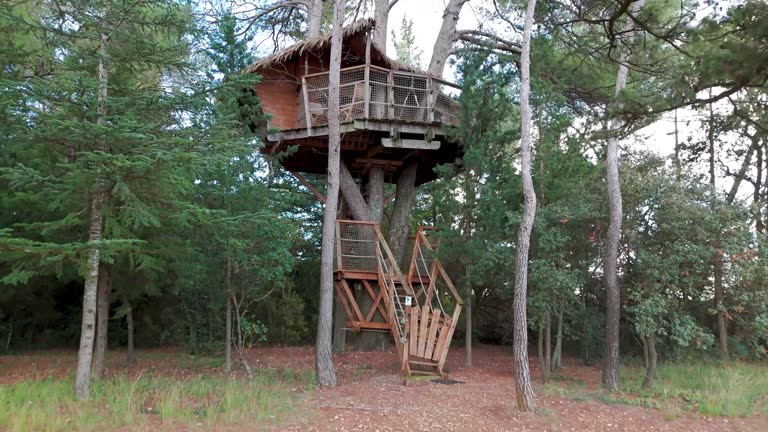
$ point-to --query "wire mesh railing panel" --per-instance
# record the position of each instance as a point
(391, 95)
(410, 97)
(379, 100)
(446, 110)
(352, 94)
(357, 247)
(317, 99)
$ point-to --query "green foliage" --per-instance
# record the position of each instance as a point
(405, 46)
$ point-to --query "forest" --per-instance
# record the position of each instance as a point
(604, 223)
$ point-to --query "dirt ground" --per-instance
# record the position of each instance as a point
(370, 395)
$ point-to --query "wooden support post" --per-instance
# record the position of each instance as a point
(307, 112)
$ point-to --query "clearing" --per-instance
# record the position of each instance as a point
(167, 390)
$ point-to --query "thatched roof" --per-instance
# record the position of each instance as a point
(359, 27)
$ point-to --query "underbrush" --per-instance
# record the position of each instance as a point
(204, 401)
(711, 388)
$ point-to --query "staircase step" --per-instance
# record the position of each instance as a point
(423, 363)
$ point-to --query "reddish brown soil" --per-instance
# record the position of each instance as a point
(371, 395)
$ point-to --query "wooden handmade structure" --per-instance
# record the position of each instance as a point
(391, 115)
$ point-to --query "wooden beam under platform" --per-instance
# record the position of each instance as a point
(309, 186)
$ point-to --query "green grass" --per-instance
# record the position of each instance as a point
(202, 402)
(710, 388)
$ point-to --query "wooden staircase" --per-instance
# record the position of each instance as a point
(420, 308)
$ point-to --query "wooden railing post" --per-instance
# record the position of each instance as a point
(367, 91)
(391, 96)
(307, 113)
(430, 101)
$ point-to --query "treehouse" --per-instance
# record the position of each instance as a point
(394, 119)
(389, 112)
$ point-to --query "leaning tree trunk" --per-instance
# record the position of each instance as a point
(615, 215)
(85, 354)
(401, 214)
(446, 37)
(523, 390)
(102, 320)
(326, 373)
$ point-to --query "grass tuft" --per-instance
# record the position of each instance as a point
(47, 404)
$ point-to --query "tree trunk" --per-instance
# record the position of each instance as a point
(651, 367)
(717, 259)
(558, 356)
(401, 214)
(376, 194)
(85, 354)
(314, 17)
(326, 373)
(352, 196)
(610, 265)
(373, 340)
(645, 351)
(548, 343)
(131, 355)
(468, 322)
(228, 324)
(523, 390)
(339, 324)
(381, 16)
(542, 361)
(102, 320)
(745, 164)
(759, 226)
(446, 37)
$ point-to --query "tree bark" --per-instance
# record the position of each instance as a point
(468, 322)
(326, 373)
(610, 265)
(102, 320)
(759, 225)
(228, 324)
(523, 390)
(558, 355)
(373, 340)
(381, 16)
(446, 37)
(399, 224)
(314, 17)
(540, 351)
(85, 354)
(548, 343)
(352, 196)
(376, 194)
(650, 372)
(131, 355)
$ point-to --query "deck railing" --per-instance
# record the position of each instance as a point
(374, 93)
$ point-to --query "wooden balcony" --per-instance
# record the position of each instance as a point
(369, 92)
